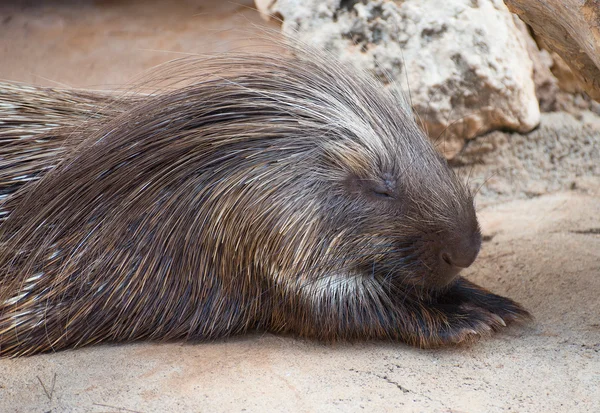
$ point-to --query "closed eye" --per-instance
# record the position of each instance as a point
(382, 194)
(384, 189)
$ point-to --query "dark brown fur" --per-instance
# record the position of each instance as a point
(286, 194)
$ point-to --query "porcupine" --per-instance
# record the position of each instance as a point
(285, 193)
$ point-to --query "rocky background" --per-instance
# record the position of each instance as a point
(471, 66)
(511, 115)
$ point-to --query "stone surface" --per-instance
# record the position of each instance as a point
(465, 62)
(557, 87)
(570, 28)
(567, 80)
(546, 84)
(554, 157)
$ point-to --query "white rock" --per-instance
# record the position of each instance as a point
(465, 60)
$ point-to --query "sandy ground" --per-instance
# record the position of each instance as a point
(543, 251)
(106, 43)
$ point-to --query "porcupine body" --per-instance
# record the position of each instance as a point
(38, 125)
(282, 193)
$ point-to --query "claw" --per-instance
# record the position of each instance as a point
(499, 320)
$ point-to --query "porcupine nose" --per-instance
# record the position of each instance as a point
(458, 253)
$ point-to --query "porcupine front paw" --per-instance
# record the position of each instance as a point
(465, 312)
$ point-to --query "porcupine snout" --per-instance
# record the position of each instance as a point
(459, 252)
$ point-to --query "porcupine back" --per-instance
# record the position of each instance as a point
(129, 236)
(37, 128)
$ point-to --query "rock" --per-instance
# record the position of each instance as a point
(264, 7)
(570, 28)
(563, 150)
(557, 87)
(546, 84)
(465, 60)
(567, 80)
